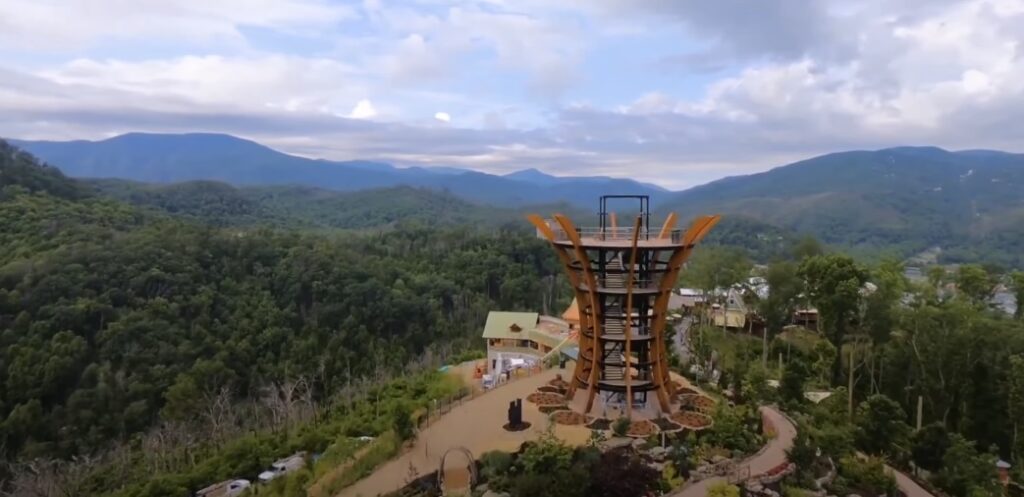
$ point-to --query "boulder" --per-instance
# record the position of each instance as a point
(658, 453)
(618, 443)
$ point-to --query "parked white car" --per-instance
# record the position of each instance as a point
(229, 488)
(283, 467)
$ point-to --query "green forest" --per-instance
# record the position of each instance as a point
(115, 320)
(886, 347)
(157, 339)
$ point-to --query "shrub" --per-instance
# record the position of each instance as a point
(621, 426)
(723, 490)
(866, 475)
(494, 465)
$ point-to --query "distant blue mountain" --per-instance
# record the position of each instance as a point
(539, 177)
(170, 158)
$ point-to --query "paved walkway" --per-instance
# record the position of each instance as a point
(475, 425)
(907, 485)
(772, 455)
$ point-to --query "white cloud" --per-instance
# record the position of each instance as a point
(72, 24)
(363, 110)
(798, 78)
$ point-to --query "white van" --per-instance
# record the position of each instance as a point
(283, 466)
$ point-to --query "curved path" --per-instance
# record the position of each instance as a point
(771, 455)
(907, 485)
(475, 425)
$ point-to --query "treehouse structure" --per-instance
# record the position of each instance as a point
(622, 278)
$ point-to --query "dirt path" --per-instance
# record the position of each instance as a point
(773, 454)
(475, 425)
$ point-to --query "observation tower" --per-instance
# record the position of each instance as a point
(622, 278)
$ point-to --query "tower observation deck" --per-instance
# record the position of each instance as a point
(622, 278)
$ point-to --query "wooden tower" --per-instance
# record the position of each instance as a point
(622, 278)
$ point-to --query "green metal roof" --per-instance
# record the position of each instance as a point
(544, 338)
(499, 325)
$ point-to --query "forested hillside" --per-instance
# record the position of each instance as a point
(105, 311)
(302, 207)
(900, 200)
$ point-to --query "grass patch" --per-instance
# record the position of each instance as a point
(380, 451)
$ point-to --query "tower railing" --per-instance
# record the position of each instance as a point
(608, 234)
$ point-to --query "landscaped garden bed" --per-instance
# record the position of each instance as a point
(665, 425)
(546, 398)
(571, 418)
(696, 401)
(641, 429)
(691, 420)
(547, 389)
(558, 382)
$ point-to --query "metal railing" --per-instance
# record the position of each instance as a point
(623, 234)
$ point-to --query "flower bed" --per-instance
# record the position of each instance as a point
(571, 418)
(546, 398)
(692, 420)
(641, 429)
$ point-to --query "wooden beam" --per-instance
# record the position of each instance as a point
(566, 257)
(591, 282)
(670, 222)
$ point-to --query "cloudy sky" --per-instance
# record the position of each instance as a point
(676, 92)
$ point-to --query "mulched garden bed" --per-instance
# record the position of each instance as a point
(600, 424)
(571, 418)
(667, 426)
(522, 426)
(641, 429)
(696, 401)
(546, 398)
(692, 420)
(560, 391)
(559, 383)
(551, 409)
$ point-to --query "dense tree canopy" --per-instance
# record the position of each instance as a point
(111, 320)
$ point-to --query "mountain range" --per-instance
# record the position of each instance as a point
(159, 158)
(899, 201)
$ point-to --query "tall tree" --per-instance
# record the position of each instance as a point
(882, 427)
(1017, 286)
(1015, 404)
(777, 307)
(834, 284)
(974, 283)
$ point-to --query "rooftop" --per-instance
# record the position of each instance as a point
(526, 326)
